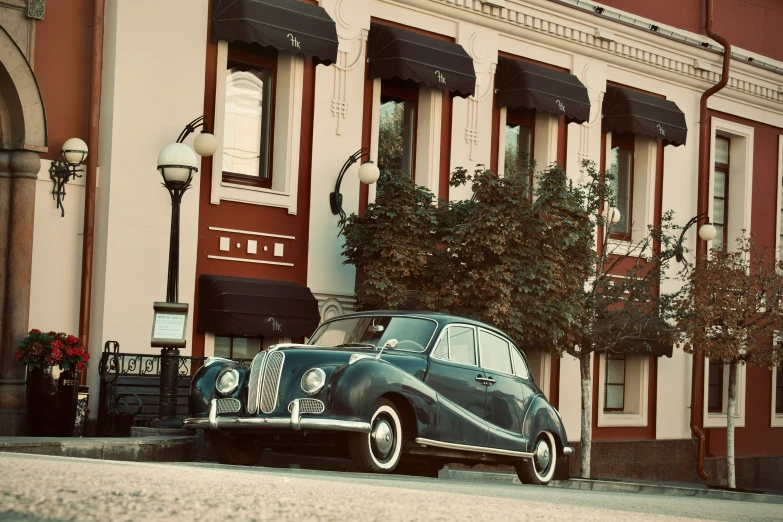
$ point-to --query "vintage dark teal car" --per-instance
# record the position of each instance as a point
(392, 390)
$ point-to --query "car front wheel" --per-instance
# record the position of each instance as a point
(539, 469)
(378, 451)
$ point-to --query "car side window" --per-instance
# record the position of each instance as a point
(462, 346)
(494, 353)
(520, 366)
(442, 350)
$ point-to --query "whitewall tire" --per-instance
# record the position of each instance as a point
(539, 469)
(379, 451)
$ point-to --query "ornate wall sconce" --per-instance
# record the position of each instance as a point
(368, 174)
(62, 170)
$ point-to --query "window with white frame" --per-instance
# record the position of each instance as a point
(731, 181)
(779, 249)
(397, 132)
(633, 162)
(519, 142)
(258, 113)
(623, 391)
(716, 394)
(237, 347)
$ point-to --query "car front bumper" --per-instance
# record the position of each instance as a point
(294, 422)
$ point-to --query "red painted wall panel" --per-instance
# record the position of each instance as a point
(753, 25)
(63, 42)
(757, 438)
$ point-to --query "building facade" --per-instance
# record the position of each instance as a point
(289, 103)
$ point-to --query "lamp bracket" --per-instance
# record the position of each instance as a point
(60, 172)
(335, 198)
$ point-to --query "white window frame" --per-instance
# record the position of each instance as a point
(645, 170)
(287, 132)
(777, 418)
(428, 136)
(635, 415)
(544, 141)
(740, 177)
(718, 420)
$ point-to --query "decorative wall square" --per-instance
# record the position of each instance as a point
(252, 246)
(278, 249)
(225, 244)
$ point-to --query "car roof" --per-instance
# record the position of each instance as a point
(442, 319)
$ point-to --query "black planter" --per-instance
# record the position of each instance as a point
(51, 402)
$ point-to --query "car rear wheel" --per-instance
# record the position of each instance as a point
(378, 451)
(237, 451)
(539, 469)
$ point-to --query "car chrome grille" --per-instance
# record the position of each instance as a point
(308, 406)
(270, 381)
(254, 382)
(228, 405)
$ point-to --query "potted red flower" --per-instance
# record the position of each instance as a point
(54, 361)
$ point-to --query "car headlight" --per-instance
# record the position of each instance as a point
(313, 381)
(227, 381)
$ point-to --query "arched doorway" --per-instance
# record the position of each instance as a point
(23, 135)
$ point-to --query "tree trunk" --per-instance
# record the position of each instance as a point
(587, 411)
(731, 472)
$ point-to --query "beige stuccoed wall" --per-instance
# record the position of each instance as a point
(153, 84)
(57, 256)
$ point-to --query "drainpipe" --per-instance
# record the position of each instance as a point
(91, 177)
(697, 377)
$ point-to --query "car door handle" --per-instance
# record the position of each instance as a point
(485, 381)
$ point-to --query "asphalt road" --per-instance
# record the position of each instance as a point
(34, 487)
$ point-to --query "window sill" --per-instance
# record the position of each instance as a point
(719, 420)
(627, 247)
(777, 420)
(257, 196)
(621, 419)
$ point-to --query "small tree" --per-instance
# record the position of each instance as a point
(391, 245)
(731, 309)
(617, 296)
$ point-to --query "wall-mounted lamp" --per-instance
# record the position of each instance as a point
(74, 153)
(707, 232)
(368, 174)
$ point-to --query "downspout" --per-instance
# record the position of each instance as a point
(92, 170)
(697, 377)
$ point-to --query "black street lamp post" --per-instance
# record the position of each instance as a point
(177, 163)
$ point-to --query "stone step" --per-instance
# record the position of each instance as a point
(158, 448)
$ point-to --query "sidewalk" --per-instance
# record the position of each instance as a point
(163, 448)
(618, 486)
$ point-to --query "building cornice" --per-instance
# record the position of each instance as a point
(563, 28)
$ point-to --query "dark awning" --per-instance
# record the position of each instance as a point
(523, 84)
(255, 307)
(287, 25)
(638, 113)
(650, 347)
(397, 53)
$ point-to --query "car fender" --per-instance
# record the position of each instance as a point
(202, 385)
(355, 388)
(540, 417)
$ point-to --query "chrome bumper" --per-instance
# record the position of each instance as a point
(568, 451)
(294, 422)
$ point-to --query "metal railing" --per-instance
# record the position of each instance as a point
(120, 405)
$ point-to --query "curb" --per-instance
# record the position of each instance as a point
(142, 449)
(615, 487)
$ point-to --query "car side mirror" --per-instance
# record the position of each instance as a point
(391, 344)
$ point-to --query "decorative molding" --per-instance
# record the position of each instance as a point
(256, 261)
(36, 9)
(340, 104)
(334, 305)
(576, 33)
(250, 233)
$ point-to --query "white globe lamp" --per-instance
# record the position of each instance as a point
(205, 144)
(74, 151)
(369, 173)
(177, 162)
(708, 232)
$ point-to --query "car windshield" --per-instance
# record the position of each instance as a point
(412, 333)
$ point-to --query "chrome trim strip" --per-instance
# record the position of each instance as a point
(273, 369)
(267, 423)
(253, 384)
(568, 451)
(213, 414)
(228, 405)
(475, 449)
(295, 416)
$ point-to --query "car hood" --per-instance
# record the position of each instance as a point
(300, 358)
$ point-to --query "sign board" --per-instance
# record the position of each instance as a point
(169, 325)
